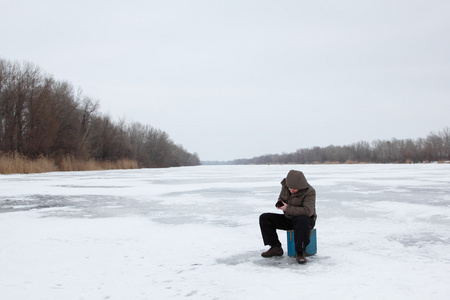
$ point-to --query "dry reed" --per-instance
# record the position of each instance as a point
(70, 163)
(19, 164)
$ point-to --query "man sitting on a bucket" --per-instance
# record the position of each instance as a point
(297, 200)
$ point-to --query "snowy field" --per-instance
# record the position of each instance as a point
(383, 233)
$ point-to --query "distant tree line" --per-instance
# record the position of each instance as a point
(43, 117)
(435, 147)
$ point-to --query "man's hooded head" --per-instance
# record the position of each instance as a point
(296, 180)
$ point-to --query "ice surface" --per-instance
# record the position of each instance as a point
(383, 233)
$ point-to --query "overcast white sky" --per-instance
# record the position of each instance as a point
(238, 79)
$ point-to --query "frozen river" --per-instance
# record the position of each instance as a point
(383, 233)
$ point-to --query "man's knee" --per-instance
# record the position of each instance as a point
(263, 218)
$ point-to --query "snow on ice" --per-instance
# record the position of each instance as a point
(383, 233)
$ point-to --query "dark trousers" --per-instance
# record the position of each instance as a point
(302, 226)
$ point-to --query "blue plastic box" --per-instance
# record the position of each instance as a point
(311, 249)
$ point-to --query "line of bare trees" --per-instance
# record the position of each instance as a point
(435, 147)
(43, 117)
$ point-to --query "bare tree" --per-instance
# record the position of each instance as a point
(42, 116)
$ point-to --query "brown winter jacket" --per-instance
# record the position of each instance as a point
(301, 203)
